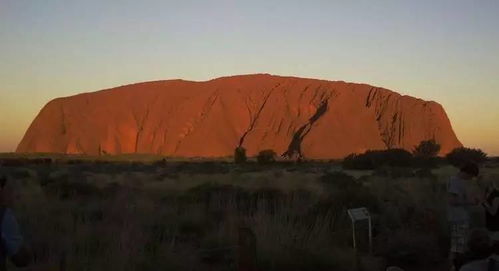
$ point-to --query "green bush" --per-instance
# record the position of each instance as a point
(240, 155)
(427, 149)
(460, 156)
(375, 159)
(266, 156)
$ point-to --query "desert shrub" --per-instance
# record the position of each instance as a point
(193, 225)
(393, 157)
(394, 172)
(74, 161)
(298, 259)
(111, 189)
(19, 162)
(212, 168)
(167, 175)
(460, 156)
(218, 198)
(205, 190)
(427, 149)
(66, 189)
(375, 159)
(64, 186)
(346, 192)
(425, 154)
(240, 155)
(204, 167)
(266, 156)
(432, 162)
(290, 241)
(339, 180)
(408, 248)
(424, 173)
(358, 161)
(160, 163)
(217, 249)
(19, 173)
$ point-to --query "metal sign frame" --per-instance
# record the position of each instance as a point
(361, 214)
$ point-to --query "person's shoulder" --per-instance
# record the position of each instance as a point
(8, 212)
(8, 217)
(5, 211)
(455, 178)
(495, 258)
(475, 265)
(454, 183)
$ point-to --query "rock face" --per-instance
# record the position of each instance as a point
(293, 116)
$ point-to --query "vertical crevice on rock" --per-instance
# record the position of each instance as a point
(400, 129)
(257, 115)
(294, 148)
(390, 129)
(280, 126)
(79, 147)
(140, 128)
(117, 144)
(370, 97)
(63, 121)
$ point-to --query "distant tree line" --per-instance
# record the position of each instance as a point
(423, 155)
(263, 157)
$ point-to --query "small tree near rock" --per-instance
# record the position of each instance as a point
(427, 149)
(266, 156)
(460, 156)
(240, 155)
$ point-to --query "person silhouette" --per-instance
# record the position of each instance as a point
(460, 201)
(490, 205)
(12, 245)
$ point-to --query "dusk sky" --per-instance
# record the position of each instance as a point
(441, 50)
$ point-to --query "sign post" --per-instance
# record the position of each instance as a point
(360, 214)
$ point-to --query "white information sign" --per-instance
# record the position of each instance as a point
(360, 214)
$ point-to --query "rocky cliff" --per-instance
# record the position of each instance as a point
(293, 116)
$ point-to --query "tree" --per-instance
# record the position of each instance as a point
(427, 149)
(379, 158)
(240, 155)
(266, 156)
(358, 161)
(460, 156)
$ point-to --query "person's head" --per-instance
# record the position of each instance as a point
(469, 171)
(479, 243)
(8, 191)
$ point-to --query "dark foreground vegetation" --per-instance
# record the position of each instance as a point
(219, 215)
